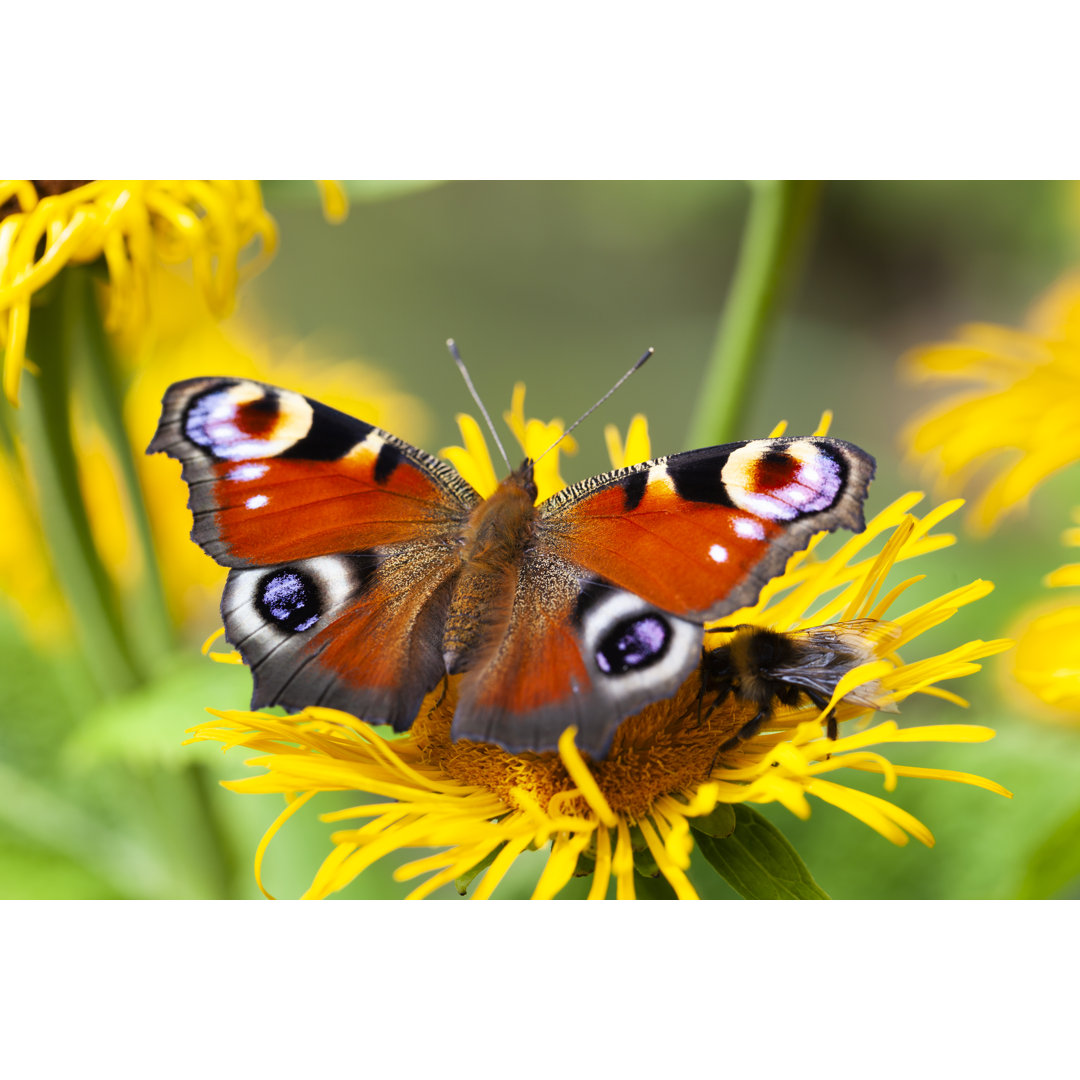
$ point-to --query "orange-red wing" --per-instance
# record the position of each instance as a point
(359, 632)
(571, 652)
(698, 534)
(275, 476)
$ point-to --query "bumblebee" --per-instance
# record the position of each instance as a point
(768, 668)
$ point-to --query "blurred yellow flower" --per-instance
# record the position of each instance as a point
(26, 577)
(634, 450)
(668, 765)
(1021, 418)
(1047, 659)
(188, 342)
(132, 224)
(335, 202)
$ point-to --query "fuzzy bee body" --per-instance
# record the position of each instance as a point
(770, 668)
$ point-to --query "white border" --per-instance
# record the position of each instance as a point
(582, 89)
(497, 989)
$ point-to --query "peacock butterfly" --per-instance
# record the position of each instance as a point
(363, 570)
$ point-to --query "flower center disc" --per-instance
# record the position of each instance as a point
(669, 747)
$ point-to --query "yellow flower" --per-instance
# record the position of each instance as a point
(1023, 418)
(131, 228)
(335, 202)
(1022, 414)
(1047, 658)
(26, 577)
(671, 764)
(474, 462)
(132, 224)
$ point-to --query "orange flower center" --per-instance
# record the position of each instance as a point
(669, 747)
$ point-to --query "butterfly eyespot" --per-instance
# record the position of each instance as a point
(289, 599)
(633, 644)
(238, 421)
(783, 483)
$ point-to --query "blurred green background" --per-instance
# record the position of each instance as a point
(563, 285)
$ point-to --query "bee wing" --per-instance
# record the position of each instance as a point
(828, 653)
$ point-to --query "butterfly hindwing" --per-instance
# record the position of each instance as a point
(572, 651)
(698, 534)
(359, 632)
(340, 539)
(275, 476)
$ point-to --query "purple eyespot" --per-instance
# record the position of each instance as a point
(289, 599)
(632, 644)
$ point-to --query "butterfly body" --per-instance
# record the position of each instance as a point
(492, 547)
(364, 571)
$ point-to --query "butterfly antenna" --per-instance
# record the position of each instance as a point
(452, 346)
(592, 408)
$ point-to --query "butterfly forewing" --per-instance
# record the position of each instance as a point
(275, 476)
(698, 534)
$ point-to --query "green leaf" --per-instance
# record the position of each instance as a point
(462, 883)
(28, 872)
(32, 813)
(147, 727)
(1055, 863)
(652, 887)
(758, 862)
(645, 864)
(720, 824)
(586, 865)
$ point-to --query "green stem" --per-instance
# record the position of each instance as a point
(44, 422)
(69, 346)
(218, 862)
(780, 213)
(154, 638)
